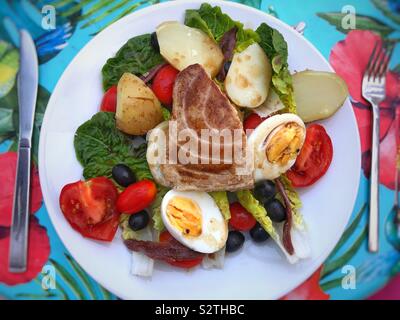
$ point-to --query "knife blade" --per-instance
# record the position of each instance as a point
(27, 93)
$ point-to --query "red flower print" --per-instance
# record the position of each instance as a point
(349, 58)
(8, 163)
(308, 290)
(38, 253)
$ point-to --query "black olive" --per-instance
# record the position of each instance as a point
(123, 175)
(154, 42)
(258, 233)
(227, 65)
(276, 211)
(138, 221)
(235, 241)
(264, 191)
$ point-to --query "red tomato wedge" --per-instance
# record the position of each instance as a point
(109, 102)
(89, 207)
(240, 219)
(314, 159)
(165, 236)
(136, 197)
(163, 84)
(252, 121)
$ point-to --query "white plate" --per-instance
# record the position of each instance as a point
(257, 271)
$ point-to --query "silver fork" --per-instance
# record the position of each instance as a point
(373, 90)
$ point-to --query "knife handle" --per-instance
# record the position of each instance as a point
(20, 222)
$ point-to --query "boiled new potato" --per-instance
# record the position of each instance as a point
(272, 105)
(138, 109)
(183, 46)
(249, 76)
(318, 94)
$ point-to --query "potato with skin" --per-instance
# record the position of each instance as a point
(248, 80)
(138, 109)
(183, 46)
(318, 94)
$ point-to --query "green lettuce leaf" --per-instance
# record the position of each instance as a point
(294, 198)
(158, 224)
(276, 49)
(127, 232)
(166, 113)
(221, 199)
(99, 146)
(251, 204)
(215, 23)
(137, 56)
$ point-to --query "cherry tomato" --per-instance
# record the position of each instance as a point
(241, 219)
(89, 207)
(314, 159)
(165, 236)
(163, 84)
(109, 102)
(252, 121)
(137, 197)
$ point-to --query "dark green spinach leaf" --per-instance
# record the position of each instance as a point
(99, 146)
(137, 56)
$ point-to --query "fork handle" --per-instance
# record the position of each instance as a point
(373, 236)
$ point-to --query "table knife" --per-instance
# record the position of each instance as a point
(27, 94)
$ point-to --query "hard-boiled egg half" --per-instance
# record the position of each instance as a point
(275, 144)
(194, 220)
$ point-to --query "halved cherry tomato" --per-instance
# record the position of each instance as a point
(252, 121)
(240, 219)
(314, 159)
(137, 197)
(89, 207)
(163, 84)
(165, 236)
(109, 102)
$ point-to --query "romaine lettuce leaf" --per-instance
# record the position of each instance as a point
(294, 200)
(166, 113)
(276, 49)
(142, 265)
(215, 23)
(251, 204)
(158, 224)
(221, 199)
(127, 232)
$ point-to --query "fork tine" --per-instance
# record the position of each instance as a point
(388, 54)
(380, 56)
(371, 58)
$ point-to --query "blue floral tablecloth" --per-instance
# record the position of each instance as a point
(348, 51)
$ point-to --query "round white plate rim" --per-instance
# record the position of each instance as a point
(51, 106)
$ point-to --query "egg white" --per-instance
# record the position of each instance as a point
(214, 227)
(263, 169)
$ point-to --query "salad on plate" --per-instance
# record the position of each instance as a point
(203, 135)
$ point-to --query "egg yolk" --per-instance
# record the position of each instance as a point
(185, 215)
(284, 143)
